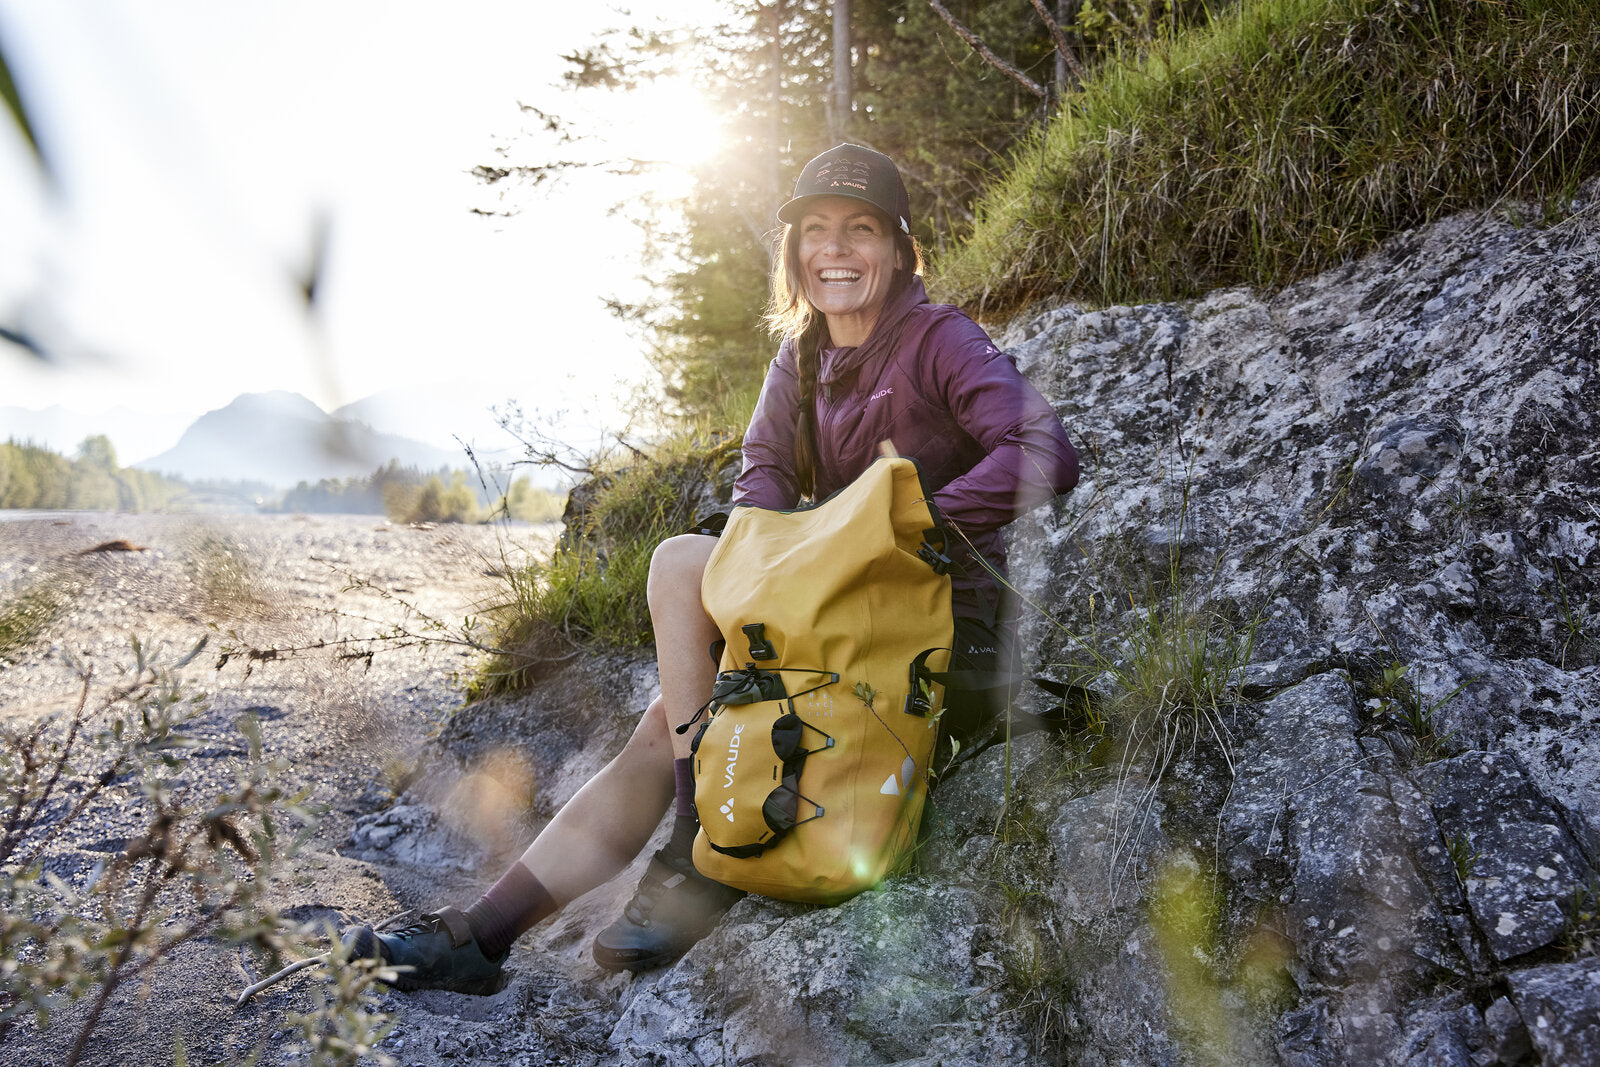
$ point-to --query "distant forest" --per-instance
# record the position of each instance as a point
(406, 494)
(34, 477)
(38, 478)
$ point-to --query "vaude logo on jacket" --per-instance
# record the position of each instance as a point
(733, 758)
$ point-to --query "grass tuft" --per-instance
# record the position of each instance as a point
(1399, 703)
(1581, 936)
(1287, 137)
(1577, 624)
(27, 615)
(592, 587)
(1166, 668)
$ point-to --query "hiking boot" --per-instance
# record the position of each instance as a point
(674, 906)
(437, 951)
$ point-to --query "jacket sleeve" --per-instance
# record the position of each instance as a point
(767, 478)
(1028, 456)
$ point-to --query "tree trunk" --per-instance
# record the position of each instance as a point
(775, 119)
(1062, 73)
(1069, 72)
(840, 98)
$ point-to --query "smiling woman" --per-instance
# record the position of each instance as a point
(848, 259)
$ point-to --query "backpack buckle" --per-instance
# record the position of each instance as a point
(760, 647)
(940, 562)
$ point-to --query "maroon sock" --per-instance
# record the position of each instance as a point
(508, 910)
(685, 823)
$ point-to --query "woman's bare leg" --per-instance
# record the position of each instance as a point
(684, 632)
(599, 831)
(602, 828)
(606, 823)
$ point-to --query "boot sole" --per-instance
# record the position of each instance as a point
(608, 960)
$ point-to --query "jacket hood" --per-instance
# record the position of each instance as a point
(840, 363)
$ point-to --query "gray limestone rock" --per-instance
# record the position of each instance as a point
(891, 975)
(1515, 855)
(1560, 1007)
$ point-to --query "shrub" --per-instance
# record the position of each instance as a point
(198, 870)
(432, 501)
(526, 502)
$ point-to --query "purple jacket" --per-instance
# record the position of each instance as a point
(931, 382)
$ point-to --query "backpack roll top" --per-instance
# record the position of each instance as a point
(811, 769)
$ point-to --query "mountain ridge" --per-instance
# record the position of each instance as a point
(283, 438)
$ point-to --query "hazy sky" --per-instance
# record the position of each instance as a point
(197, 143)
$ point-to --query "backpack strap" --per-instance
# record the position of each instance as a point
(919, 702)
(934, 551)
(710, 525)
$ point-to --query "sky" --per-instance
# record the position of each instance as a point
(198, 146)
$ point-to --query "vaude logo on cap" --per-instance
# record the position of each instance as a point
(848, 173)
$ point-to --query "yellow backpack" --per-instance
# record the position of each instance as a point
(812, 768)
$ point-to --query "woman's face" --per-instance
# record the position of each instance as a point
(847, 259)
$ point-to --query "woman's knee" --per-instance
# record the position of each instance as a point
(653, 733)
(654, 717)
(678, 564)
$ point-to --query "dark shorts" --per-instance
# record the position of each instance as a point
(971, 714)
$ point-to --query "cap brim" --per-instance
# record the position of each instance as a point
(794, 209)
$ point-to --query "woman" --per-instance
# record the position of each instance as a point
(865, 359)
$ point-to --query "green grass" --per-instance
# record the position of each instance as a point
(1400, 703)
(1578, 624)
(1581, 936)
(1286, 137)
(1180, 656)
(1166, 656)
(592, 587)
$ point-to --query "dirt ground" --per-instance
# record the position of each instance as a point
(355, 730)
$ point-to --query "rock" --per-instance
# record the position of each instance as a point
(1448, 1033)
(1508, 1034)
(1388, 465)
(1513, 852)
(1560, 1007)
(413, 834)
(891, 975)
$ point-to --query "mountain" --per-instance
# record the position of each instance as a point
(282, 438)
(438, 415)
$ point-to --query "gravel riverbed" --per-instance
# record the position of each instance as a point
(286, 605)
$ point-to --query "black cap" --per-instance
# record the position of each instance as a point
(856, 172)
